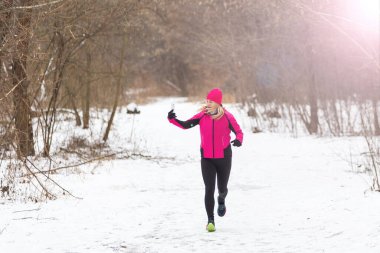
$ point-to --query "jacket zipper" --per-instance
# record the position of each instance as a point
(213, 143)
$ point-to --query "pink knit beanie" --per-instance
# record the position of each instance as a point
(215, 95)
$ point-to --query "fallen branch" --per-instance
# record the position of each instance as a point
(72, 151)
(2, 230)
(75, 165)
(126, 156)
(39, 182)
(29, 210)
(52, 180)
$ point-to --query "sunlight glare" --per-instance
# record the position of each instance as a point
(368, 12)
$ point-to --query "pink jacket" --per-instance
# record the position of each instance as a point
(215, 134)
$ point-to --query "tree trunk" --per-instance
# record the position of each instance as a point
(21, 102)
(312, 90)
(74, 106)
(118, 90)
(86, 101)
(313, 126)
(337, 118)
(52, 108)
(3, 31)
(375, 117)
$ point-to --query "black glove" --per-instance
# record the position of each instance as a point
(171, 115)
(236, 143)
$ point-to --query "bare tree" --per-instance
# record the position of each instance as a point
(87, 93)
(24, 131)
(118, 89)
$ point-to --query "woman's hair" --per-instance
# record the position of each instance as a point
(219, 108)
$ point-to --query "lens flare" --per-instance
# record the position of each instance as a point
(368, 12)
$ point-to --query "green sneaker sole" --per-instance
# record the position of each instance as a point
(210, 227)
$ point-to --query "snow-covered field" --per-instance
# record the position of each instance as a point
(285, 195)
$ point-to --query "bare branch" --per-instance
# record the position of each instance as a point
(34, 6)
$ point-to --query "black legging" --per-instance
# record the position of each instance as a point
(212, 168)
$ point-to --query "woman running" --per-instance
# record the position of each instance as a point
(216, 124)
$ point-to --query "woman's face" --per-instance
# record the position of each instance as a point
(211, 105)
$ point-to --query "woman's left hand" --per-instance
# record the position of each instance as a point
(236, 143)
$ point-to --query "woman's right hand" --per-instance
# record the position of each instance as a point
(171, 114)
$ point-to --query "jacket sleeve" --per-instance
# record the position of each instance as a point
(234, 126)
(193, 121)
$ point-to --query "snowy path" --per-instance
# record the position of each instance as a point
(286, 195)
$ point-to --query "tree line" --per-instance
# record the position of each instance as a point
(306, 60)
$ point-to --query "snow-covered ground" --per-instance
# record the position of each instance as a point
(285, 195)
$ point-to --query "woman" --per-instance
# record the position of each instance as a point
(216, 124)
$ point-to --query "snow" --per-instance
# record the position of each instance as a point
(285, 195)
(132, 107)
